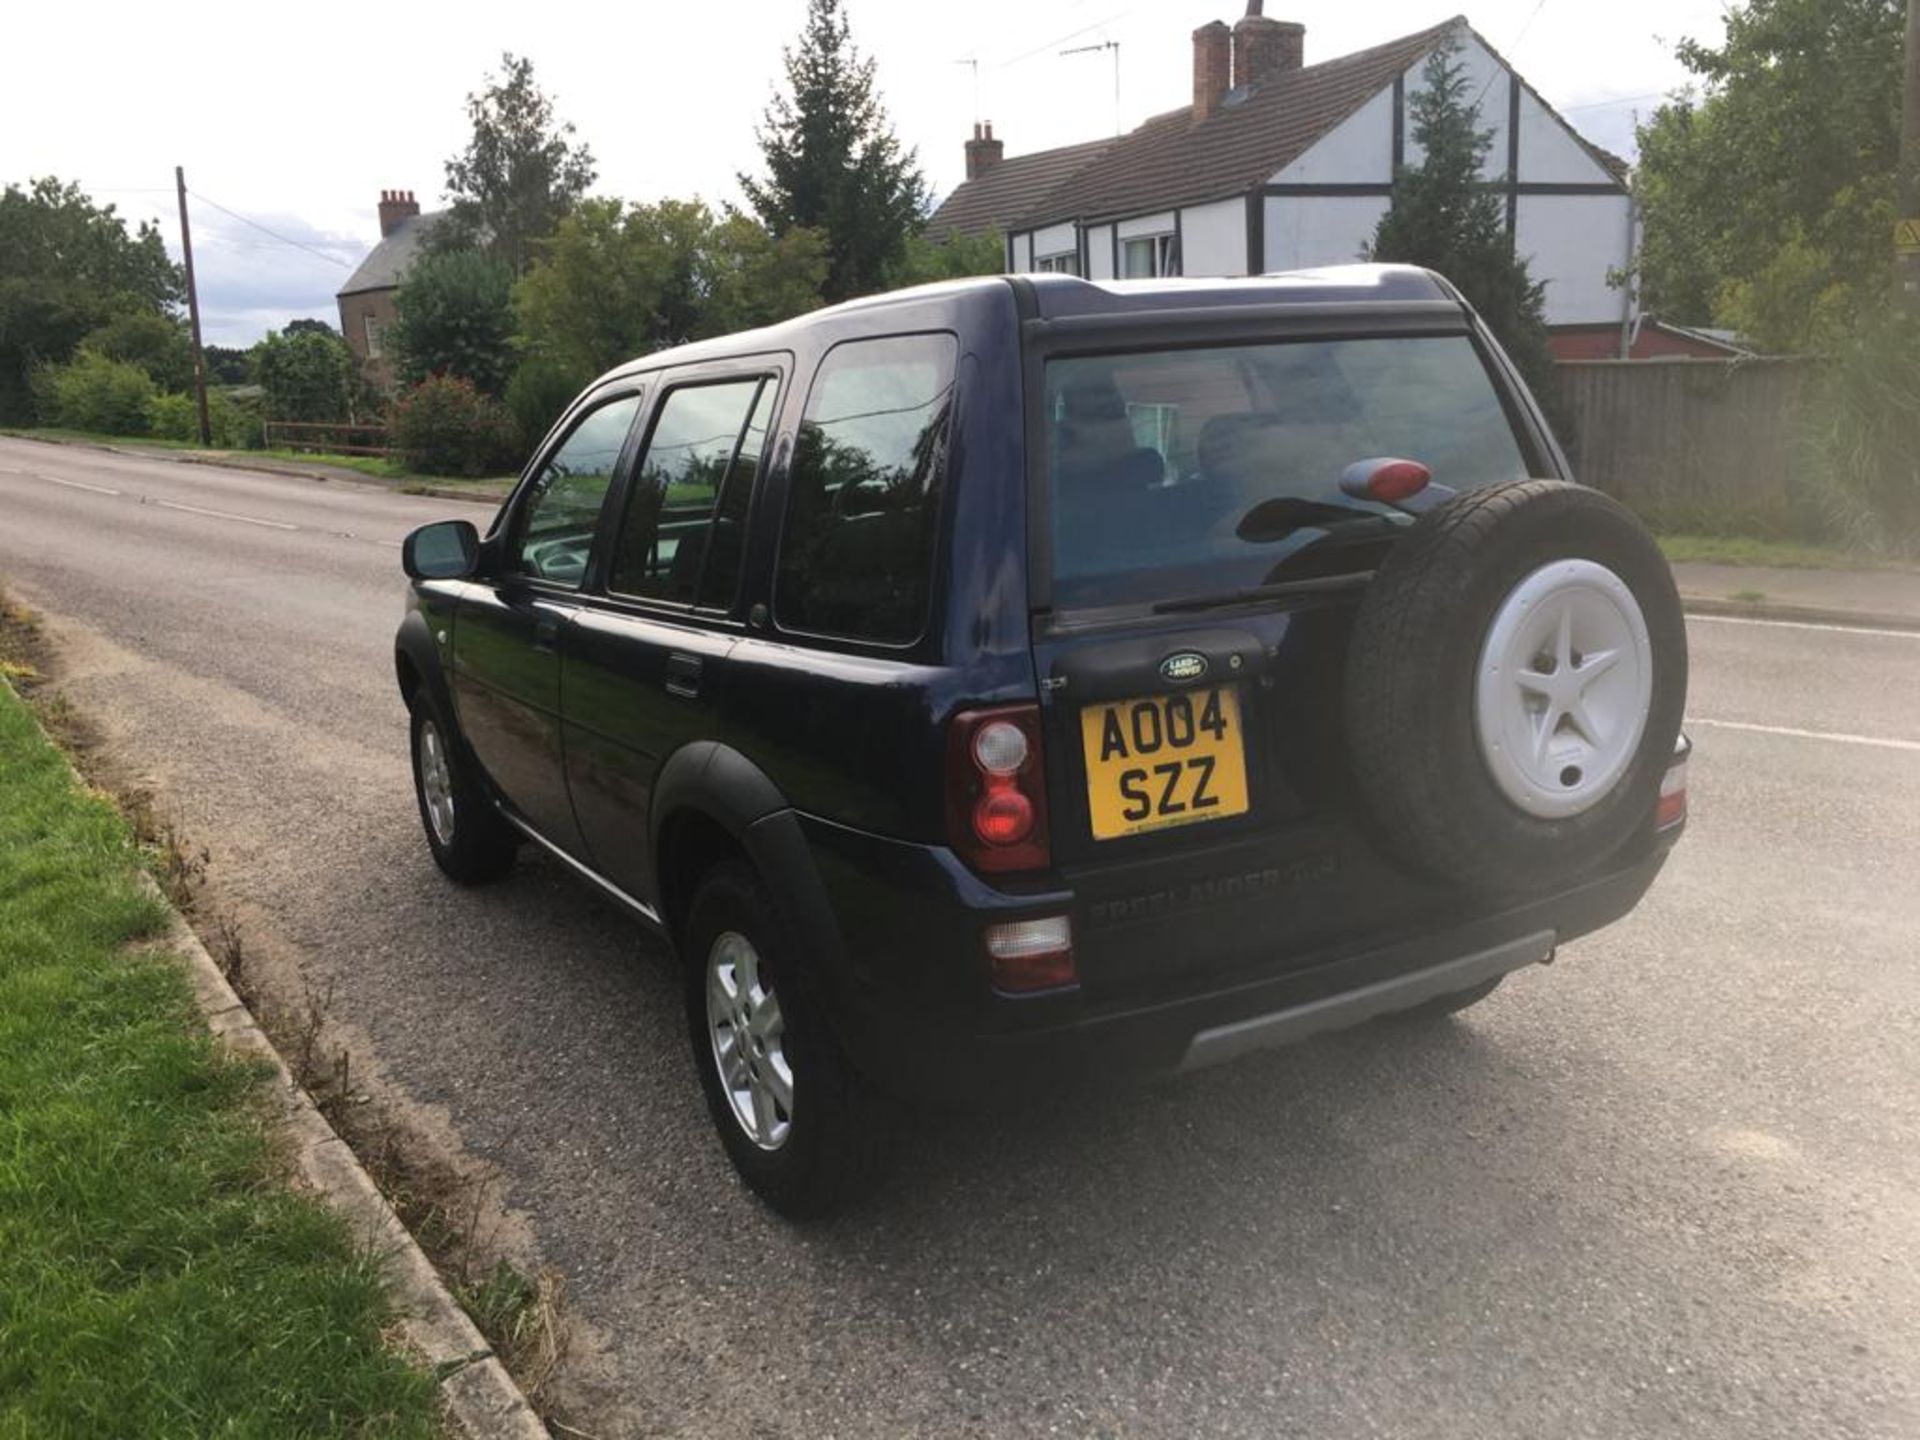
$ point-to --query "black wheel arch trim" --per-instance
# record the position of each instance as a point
(413, 645)
(717, 782)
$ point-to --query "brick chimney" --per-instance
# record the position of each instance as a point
(983, 151)
(1264, 48)
(1212, 67)
(395, 206)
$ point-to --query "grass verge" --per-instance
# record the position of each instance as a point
(157, 1275)
(1780, 554)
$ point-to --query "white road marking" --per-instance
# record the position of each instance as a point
(1693, 619)
(1838, 737)
(225, 515)
(73, 484)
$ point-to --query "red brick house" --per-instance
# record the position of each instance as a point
(366, 300)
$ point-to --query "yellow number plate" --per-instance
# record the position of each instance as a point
(1164, 760)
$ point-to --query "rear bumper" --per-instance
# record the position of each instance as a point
(1336, 1012)
(907, 976)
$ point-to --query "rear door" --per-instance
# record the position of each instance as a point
(511, 624)
(1198, 570)
(644, 667)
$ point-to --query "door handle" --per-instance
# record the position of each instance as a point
(683, 676)
(546, 634)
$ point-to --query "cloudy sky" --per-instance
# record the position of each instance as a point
(296, 125)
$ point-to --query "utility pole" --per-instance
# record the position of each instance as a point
(1906, 229)
(193, 306)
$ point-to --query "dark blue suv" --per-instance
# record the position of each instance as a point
(1016, 676)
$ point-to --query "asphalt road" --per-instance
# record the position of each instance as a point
(1670, 1186)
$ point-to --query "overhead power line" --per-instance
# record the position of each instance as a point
(264, 230)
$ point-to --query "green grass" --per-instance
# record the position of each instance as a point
(88, 437)
(157, 1275)
(1782, 554)
(375, 465)
(366, 464)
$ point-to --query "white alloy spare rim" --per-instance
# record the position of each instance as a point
(1564, 687)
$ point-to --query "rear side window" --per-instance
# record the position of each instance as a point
(690, 488)
(1182, 471)
(863, 497)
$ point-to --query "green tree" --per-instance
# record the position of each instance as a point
(833, 163)
(1768, 202)
(520, 173)
(226, 365)
(618, 280)
(454, 316)
(954, 258)
(68, 267)
(1444, 216)
(306, 376)
(152, 339)
(305, 324)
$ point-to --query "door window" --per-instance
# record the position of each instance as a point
(863, 499)
(560, 510)
(726, 543)
(691, 465)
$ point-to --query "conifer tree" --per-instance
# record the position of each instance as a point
(833, 163)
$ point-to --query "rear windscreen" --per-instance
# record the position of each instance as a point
(1182, 471)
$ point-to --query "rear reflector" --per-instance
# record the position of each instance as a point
(1028, 955)
(1672, 808)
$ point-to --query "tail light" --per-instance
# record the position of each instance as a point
(997, 790)
(1672, 806)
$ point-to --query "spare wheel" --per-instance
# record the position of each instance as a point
(1515, 686)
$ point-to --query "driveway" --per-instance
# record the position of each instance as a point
(1670, 1186)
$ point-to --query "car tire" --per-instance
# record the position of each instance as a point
(1494, 751)
(825, 1143)
(470, 842)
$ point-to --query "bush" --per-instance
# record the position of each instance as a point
(173, 417)
(155, 342)
(176, 417)
(443, 426)
(1862, 428)
(92, 393)
(540, 389)
(307, 375)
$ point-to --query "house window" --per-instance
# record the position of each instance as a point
(1065, 263)
(373, 329)
(1147, 256)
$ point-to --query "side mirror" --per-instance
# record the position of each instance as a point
(444, 550)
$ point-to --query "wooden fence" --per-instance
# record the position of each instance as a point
(1690, 443)
(325, 437)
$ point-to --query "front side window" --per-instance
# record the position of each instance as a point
(689, 481)
(1179, 471)
(560, 509)
(863, 496)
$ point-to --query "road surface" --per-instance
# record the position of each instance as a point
(1669, 1187)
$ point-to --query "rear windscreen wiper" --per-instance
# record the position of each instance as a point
(1278, 589)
